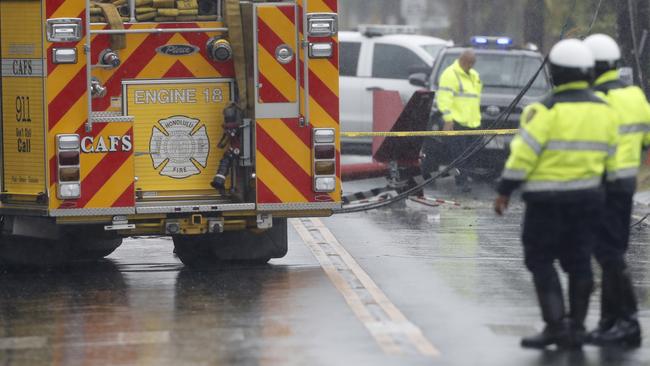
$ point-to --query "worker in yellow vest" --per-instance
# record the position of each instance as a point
(566, 145)
(459, 101)
(619, 324)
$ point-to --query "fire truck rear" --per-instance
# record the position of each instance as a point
(210, 121)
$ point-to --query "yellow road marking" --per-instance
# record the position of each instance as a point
(393, 330)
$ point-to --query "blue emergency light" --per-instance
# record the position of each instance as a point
(496, 42)
(480, 41)
(504, 41)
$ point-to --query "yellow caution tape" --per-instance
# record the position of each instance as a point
(431, 133)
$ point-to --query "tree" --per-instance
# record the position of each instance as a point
(630, 27)
(534, 26)
(460, 22)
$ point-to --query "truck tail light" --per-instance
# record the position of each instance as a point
(325, 168)
(69, 190)
(323, 152)
(68, 158)
(69, 174)
(324, 159)
(69, 169)
(325, 184)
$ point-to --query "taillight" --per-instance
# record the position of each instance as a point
(325, 168)
(69, 174)
(322, 152)
(68, 151)
(324, 155)
(68, 158)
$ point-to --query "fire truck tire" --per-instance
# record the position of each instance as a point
(246, 247)
(194, 251)
(90, 243)
(33, 252)
(96, 250)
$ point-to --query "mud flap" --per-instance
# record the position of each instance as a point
(235, 246)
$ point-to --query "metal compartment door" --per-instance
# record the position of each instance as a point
(178, 125)
(22, 93)
(276, 61)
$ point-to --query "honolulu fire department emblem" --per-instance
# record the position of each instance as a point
(180, 146)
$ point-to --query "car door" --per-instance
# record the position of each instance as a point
(391, 65)
(352, 113)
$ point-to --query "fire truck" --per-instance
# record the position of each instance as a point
(209, 121)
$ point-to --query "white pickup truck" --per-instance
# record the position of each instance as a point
(379, 57)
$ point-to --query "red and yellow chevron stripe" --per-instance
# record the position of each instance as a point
(141, 61)
(66, 88)
(284, 164)
(276, 26)
(284, 155)
(107, 178)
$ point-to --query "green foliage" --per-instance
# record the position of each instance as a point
(580, 21)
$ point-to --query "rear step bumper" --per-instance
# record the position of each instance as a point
(184, 207)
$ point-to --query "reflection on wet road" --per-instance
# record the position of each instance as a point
(452, 273)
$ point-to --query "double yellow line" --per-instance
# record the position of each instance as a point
(390, 328)
(431, 133)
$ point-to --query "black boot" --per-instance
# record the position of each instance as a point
(551, 302)
(580, 288)
(608, 300)
(626, 331)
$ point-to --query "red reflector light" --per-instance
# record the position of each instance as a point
(68, 158)
(323, 152)
(69, 174)
(325, 168)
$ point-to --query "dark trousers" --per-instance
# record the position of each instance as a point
(560, 231)
(614, 233)
(457, 146)
(618, 300)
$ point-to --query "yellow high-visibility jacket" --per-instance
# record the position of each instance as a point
(565, 147)
(634, 126)
(459, 96)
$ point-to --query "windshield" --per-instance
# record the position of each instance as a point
(432, 49)
(504, 71)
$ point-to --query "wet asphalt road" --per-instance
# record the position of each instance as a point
(421, 286)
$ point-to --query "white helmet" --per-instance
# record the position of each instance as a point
(572, 54)
(604, 48)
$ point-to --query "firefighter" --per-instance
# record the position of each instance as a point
(618, 318)
(459, 102)
(566, 144)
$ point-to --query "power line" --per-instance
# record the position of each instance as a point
(473, 149)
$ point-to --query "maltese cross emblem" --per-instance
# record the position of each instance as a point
(180, 146)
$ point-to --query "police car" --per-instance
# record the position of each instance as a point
(379, 57)
(505, 70)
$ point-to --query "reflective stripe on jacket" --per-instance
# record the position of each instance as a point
(459, 96)
(634, 125)
(566, 144)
